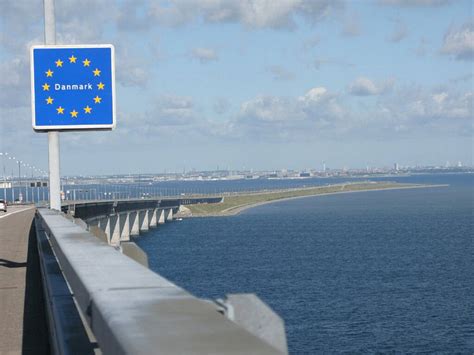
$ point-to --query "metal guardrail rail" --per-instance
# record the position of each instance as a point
(132, 310)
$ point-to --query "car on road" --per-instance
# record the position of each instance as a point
(3, 205)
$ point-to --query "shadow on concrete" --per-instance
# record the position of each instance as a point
(11, 264)
(35, 328)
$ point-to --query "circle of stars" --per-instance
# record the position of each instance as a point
(59, 64)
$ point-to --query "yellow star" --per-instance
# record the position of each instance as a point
(72, 59)
(60, 110)
(87, 109)
(74, 113)
(49, 73)
(45, 87)
(86, 62)
(100, 86)
(49, 100)
(96, 72)
(97, 99)
(59, 63)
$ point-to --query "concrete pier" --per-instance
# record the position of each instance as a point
(115, 229)
(161, 218)
(169, 214)
(134, 223)
(120, 226)
(125, 227)
(153, 218)
(143, 221)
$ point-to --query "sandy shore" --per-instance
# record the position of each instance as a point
(232, 211)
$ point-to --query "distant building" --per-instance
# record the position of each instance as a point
(305, 174)
(395, 167)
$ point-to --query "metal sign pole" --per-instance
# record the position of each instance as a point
(53, 136)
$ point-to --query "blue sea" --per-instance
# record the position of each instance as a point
(368, 272)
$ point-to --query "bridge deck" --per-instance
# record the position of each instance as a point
(22, 319)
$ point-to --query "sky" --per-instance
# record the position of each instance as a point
(255, 84)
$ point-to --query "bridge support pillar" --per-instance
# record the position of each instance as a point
(104, 224)
(134, 223)
(153, 217)
(143, 220)
(169, 214)
(125, 227)
(115, 229)
(161, 216)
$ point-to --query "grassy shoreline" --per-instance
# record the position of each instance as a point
(236, 203)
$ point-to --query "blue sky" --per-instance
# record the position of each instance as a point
(257, 84)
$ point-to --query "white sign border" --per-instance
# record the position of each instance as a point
(68, 127)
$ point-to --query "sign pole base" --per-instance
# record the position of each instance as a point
(54, 177)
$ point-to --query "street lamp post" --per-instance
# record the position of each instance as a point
(12, 182)
(26, 183)
(20, 195)
(4, 177)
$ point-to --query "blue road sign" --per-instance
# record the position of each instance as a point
(73, 87)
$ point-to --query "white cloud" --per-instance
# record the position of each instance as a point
(204, 55)
(15, 85)
(290, 118)
(134, 15)
(252, 14)
(459, 42)
(413, 3)
(316, 113)
(363, 86)
(23, 19)
(315, 94)
(321, 113)
(172, 110)
(269, 109)
(133, 70)
(417, 108)
(261, 14)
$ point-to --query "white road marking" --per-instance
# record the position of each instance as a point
(12, 213)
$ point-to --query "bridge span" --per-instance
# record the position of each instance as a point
(100, 297)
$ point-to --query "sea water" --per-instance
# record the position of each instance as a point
(379, 271)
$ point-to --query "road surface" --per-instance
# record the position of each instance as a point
(23, 328)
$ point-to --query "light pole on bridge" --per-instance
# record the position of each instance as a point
(4, 177)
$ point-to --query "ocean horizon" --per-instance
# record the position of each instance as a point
(378, 271)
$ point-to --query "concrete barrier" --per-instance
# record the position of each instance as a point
(132, 310)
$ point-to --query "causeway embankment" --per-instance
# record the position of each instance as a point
(234, 203)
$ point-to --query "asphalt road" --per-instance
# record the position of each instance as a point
(23, 327)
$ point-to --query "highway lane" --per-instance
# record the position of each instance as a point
(13, 209)
(22, 318)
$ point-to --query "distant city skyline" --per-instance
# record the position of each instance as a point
(15, 168)
(257, 84)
